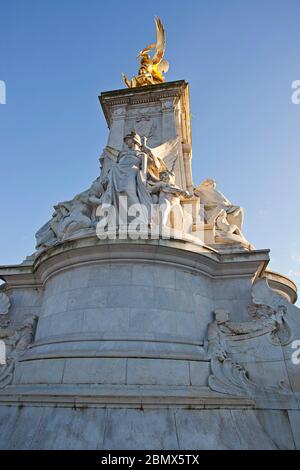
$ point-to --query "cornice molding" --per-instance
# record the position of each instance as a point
(141, 95)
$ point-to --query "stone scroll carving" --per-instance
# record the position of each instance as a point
(16, 339)
(268, 318)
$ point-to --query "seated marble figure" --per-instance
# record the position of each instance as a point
(144, 176)
(137, 172)
(225, 217)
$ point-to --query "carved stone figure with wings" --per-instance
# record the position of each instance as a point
(151, 69)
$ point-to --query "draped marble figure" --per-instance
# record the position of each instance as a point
(122, 173)
(126, 176)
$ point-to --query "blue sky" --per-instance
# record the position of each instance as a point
(240, 58)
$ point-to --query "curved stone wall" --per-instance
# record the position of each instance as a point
(134, 322)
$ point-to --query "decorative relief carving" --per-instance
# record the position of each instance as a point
(144, 175)
(119, 112)
(144, 125)
(167, 105)
(269, 320)
(16, 339)
(141, 99)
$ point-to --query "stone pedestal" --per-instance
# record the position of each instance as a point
(159, 113)
(128, 313)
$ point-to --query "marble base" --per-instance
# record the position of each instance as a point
(89, 428)
(119, 357)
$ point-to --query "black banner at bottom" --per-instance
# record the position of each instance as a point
(137, 458)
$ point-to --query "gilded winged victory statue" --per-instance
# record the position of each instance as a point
(151, 69)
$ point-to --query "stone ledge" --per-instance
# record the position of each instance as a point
(140, 95)
(172, 253)
(122, 397)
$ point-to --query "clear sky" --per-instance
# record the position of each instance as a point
(240, 58)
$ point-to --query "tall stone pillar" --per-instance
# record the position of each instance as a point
(159, 113)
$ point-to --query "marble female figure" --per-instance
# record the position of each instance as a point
(127, 177)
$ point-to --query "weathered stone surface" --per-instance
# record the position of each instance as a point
(220, 429)
(59, 428)
(277, 424)
(156, 371)
(40, 371)
(97, 371)
(294, 417)
(128, 429)
(199, 373)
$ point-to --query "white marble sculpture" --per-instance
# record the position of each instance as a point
(137, 173)
(71, 216)
(126, 176)
(161, 158)
(220, 213)
(75, 216)
(169, 196)
(145, 177)
(271, 308)
(228, 376)
(268, 322)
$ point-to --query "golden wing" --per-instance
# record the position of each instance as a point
(160, 42)
(146, 50)
(163, 66)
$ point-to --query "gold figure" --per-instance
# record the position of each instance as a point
(151, 69)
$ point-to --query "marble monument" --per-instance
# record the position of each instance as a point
(145, 319)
